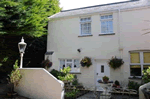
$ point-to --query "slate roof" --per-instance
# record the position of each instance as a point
(100, 8)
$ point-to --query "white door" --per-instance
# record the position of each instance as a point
(102, 70)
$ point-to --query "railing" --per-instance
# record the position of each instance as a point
(91, 92)
(38, 83)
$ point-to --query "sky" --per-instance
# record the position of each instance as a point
(72, 4)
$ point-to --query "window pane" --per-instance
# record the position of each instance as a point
(102, 68)
(146, 66)
(89, 19)
(76, 63)
(135, 57)
(106, 16)
(69, 60)
(146, 56)
(110, 26)
(62, 64)
(103, 27)
(86, 28)
(69, 65)
(102, 17)
(135, 70)
(110, 16)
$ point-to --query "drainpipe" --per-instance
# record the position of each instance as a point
(120, 44)
(119, 37)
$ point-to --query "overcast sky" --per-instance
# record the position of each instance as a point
(72, 4)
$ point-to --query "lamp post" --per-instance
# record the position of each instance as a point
(22, 46)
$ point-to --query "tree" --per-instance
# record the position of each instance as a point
(28, 17)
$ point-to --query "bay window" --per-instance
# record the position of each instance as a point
(139, 60)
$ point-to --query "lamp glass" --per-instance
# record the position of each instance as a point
(22, 48)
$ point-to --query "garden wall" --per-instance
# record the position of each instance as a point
(38, 83)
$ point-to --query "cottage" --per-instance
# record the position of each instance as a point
(101, 32)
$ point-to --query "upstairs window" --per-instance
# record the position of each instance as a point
(72, 63)
(85, 24)
(138, 62)
(106, 24)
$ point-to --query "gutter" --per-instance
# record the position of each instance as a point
(106, 11)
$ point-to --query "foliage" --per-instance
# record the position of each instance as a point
(115, 62)
(15, 76)
(72, 94)
(105, 77)
(133, 85)
(46, 64)
(9, 53)
(75, 82)
(86, 61)
(67, 77)
(26, 16)
(57, 73)
(146, 75)
(117, 83)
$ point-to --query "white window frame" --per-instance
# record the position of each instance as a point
(141, 61)
(73, 70)
(104, 20)
(85, 22)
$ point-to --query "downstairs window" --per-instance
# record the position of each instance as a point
(74, 64)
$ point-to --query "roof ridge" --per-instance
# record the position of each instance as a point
(99, 5)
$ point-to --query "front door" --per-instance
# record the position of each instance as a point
(102, 70)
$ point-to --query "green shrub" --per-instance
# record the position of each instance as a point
(67, 77)
(15, 76)
(63, 75)
(57, 73)
(146, 76)
(71, 94)
(75, 82)
(133, 85)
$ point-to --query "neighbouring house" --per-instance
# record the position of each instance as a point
(100, 32)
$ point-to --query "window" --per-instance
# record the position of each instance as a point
(138, 62)
(72, 63)
(106, 24)
(102, 68)
(85, 24)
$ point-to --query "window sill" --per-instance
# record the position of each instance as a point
(136, 78)
(85, 35)
(106, 34)
(75, 72)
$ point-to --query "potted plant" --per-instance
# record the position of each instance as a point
(86, 61)
(115, 62)
(116, 84)
(14, 79)
(105, 79)
(46, 64)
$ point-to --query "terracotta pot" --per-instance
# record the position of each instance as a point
(105, 80)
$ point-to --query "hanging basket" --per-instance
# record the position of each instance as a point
(115, 62)
(46, 63)
(86, 61)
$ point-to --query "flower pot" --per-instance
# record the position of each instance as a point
(11, 94)
(83, 64)
(105, 80)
